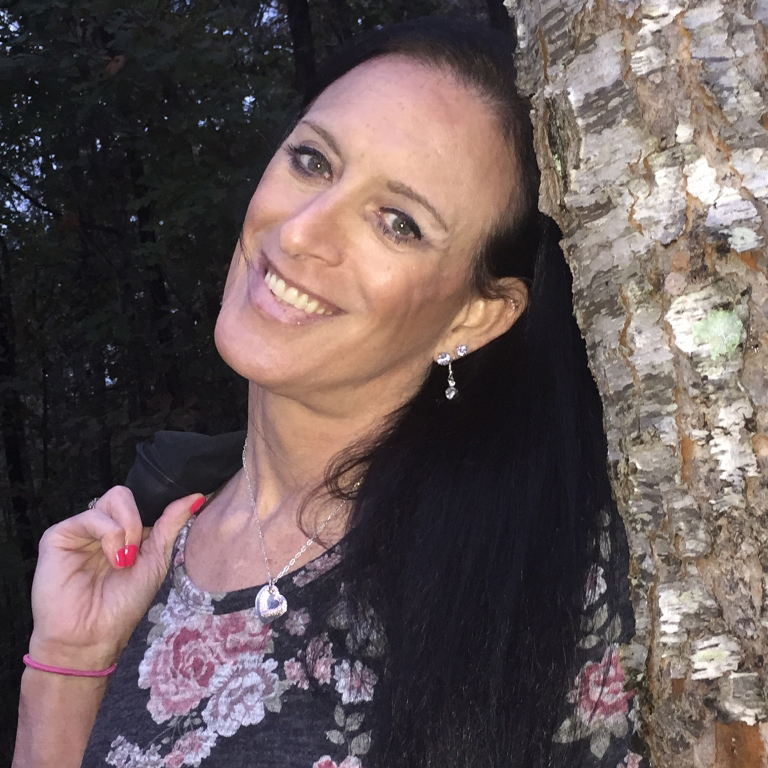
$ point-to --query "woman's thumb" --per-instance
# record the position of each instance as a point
(173, 519)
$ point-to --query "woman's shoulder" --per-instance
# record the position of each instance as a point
(175, 464)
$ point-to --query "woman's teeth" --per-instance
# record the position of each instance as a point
(291, 296)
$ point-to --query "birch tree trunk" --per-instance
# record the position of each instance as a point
(651, 120)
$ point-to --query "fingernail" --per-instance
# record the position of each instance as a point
(195, 508)
(130, 555)
(120, 558)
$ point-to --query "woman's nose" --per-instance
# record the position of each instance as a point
(317, 228)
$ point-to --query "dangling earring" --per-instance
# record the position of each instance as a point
(445, 359)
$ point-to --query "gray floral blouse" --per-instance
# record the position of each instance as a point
(203, 682)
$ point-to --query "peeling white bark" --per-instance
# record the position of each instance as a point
(712, 657)
(681, 604)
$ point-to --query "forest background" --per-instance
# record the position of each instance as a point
(131, 140)
(132, 136)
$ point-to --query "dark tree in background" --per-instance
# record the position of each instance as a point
(300, 24)
(131, 138)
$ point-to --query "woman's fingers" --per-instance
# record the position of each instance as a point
(114, 522)
(88, 528)
(119, 504)
(114, 525)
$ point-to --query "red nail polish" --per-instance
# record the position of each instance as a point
(130, 555)
(120, 558)
(195, 508)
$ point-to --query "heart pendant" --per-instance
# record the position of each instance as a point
(270, 604)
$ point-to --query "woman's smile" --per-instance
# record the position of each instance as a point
(283, 300)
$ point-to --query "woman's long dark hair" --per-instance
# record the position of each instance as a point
(478, 518)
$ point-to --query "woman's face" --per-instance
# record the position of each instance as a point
(353, 270)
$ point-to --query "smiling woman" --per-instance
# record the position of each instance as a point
(384, 265)
(400, 574)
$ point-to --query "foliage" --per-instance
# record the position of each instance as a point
(143, 132)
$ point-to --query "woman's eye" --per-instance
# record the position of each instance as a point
(309, 161)
(401, 226)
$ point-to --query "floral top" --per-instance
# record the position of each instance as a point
(202, 682)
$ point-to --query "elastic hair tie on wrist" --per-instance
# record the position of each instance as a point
(69, 672)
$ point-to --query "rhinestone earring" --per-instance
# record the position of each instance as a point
(445, 359)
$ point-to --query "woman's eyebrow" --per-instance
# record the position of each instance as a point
(327, 136)
(394, 186)
(403, 189)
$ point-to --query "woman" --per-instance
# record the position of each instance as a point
(423, 505)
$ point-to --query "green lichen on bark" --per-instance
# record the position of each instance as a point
(721, 330)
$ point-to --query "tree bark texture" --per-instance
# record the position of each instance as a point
(650, 119)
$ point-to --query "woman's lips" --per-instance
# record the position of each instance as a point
(263, 298)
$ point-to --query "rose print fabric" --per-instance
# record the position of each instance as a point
(600, 708)
(203, 682)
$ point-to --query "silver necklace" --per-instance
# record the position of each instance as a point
(270, 603)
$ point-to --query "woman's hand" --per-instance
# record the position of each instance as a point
(96, 576)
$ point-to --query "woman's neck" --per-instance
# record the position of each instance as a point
(290, 445)
(289, 448)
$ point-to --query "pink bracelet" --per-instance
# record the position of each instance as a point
(72, 672)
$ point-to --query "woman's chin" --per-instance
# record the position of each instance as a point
(261, 337)
(242, 352)
(256, 356)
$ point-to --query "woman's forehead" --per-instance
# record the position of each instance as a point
(397, 78)
(419, 120)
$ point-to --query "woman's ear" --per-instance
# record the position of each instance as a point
(482, 320)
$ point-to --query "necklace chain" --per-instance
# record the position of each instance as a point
(306, 546)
